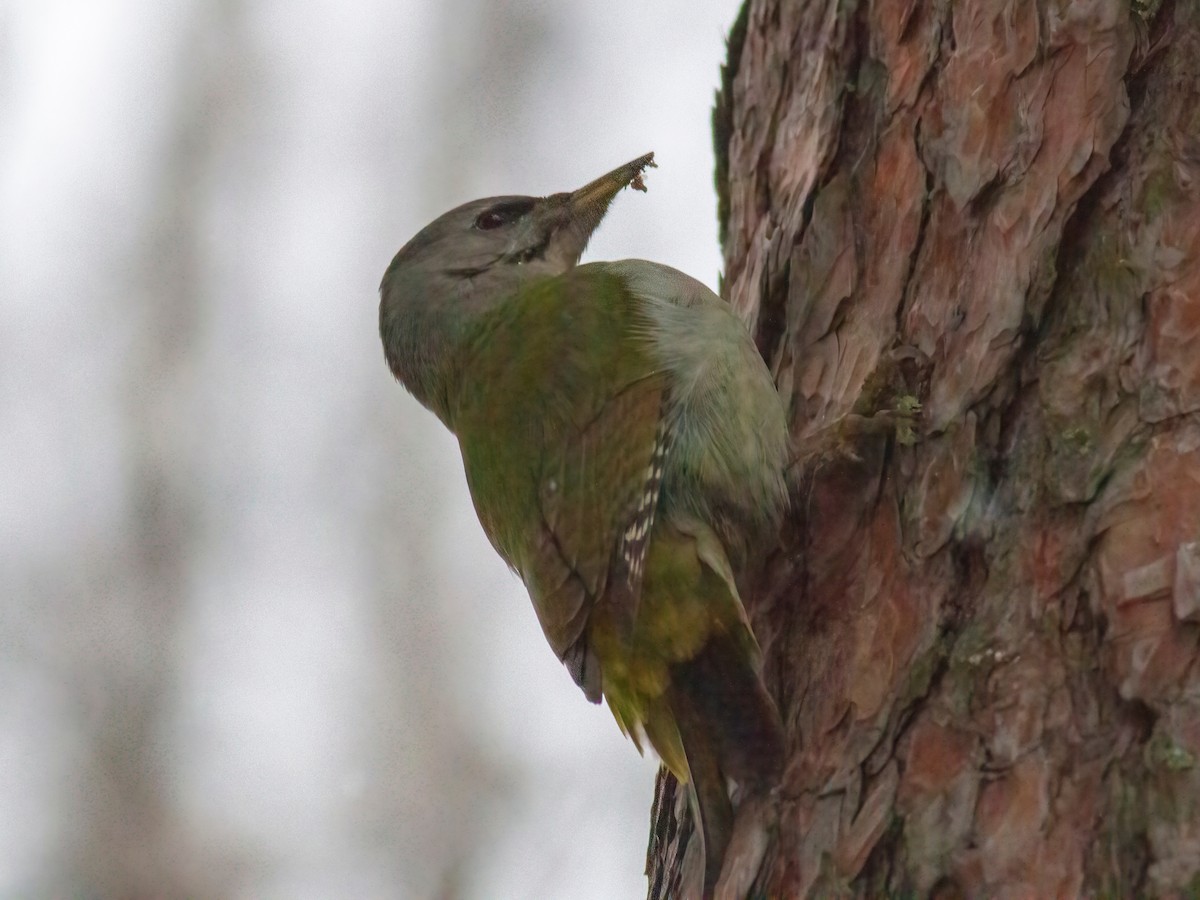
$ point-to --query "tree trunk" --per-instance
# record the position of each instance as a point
(984, 645)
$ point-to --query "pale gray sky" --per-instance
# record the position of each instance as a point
(254, 643)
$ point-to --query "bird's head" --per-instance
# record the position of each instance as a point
(477, 255)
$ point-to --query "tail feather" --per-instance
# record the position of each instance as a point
(711, 809)
(727, 692)
(729, 728)
(662, 730)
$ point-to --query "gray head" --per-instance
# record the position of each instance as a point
(474, 257)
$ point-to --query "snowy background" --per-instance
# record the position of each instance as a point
(253, 643)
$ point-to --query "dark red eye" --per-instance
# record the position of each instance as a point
(491, 219)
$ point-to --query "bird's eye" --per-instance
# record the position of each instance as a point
(491, 219)
(504, 212)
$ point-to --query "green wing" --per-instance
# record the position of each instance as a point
(560, 420)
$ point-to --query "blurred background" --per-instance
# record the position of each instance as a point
(253, 643)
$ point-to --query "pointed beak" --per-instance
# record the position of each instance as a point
(599, 193)
(582, 210)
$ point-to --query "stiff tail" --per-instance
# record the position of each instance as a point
(725, 691)
(729, 728)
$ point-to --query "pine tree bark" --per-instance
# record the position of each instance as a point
(984, 645)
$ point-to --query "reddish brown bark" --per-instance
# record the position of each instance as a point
(984, 645)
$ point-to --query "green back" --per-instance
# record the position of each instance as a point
(559, 410)
(557, 413)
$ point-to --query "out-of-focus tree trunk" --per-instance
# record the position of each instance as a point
(126, 835)
(985, 645)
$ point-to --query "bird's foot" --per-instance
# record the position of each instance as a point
(888, 406)
(889, 398)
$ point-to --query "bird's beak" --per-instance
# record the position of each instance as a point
(578, 213)
(599, 193)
